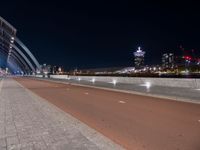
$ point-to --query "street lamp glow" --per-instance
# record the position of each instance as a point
(147, 85)
(93, 80)
(114, 82)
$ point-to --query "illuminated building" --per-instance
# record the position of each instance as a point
(168, 60)
(198, 61)
(46, 69)
(139, 58)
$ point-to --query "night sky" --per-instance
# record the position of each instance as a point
(91, 34)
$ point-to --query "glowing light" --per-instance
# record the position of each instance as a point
(139, 49)
(79, 79)
(93, 80)
(139, 52)
(147, 85)
(114, 82)
(187, 57)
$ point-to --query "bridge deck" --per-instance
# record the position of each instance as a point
(134, 121)
(30, 122)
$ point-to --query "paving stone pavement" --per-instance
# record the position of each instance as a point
(28, 122)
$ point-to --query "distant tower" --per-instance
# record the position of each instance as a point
(139, 58)
(168, 60)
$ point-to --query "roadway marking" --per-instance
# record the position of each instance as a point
(199, 120)
(121, 102)
(86, 93)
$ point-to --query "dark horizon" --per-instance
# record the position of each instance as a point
(103, 34)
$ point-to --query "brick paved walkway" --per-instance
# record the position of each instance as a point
(30, 122)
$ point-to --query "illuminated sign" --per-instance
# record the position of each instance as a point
(139, 53)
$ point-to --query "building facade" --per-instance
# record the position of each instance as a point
(139, 58)
(168, 60)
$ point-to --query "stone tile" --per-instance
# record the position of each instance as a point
(2, 142)
(32, 123)
(14, 147)
(12, 140)
(39, 145)
(29, 146)
(2, 130)
(48, 139)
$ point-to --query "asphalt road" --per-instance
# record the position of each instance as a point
(133, 121)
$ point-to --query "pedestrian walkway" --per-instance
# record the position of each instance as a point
(30, 122)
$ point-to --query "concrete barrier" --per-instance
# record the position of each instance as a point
(59, 76)
(169, 82)
(39, 76)
(197, 83)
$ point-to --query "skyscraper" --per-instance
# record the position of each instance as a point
(139, 58)
(168, 60)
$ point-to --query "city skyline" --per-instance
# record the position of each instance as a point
(99, 75)
(90, 35)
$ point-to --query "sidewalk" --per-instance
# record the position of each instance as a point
(30, 122)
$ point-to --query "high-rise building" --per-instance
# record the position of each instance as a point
(168, 60)
(139, 58)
